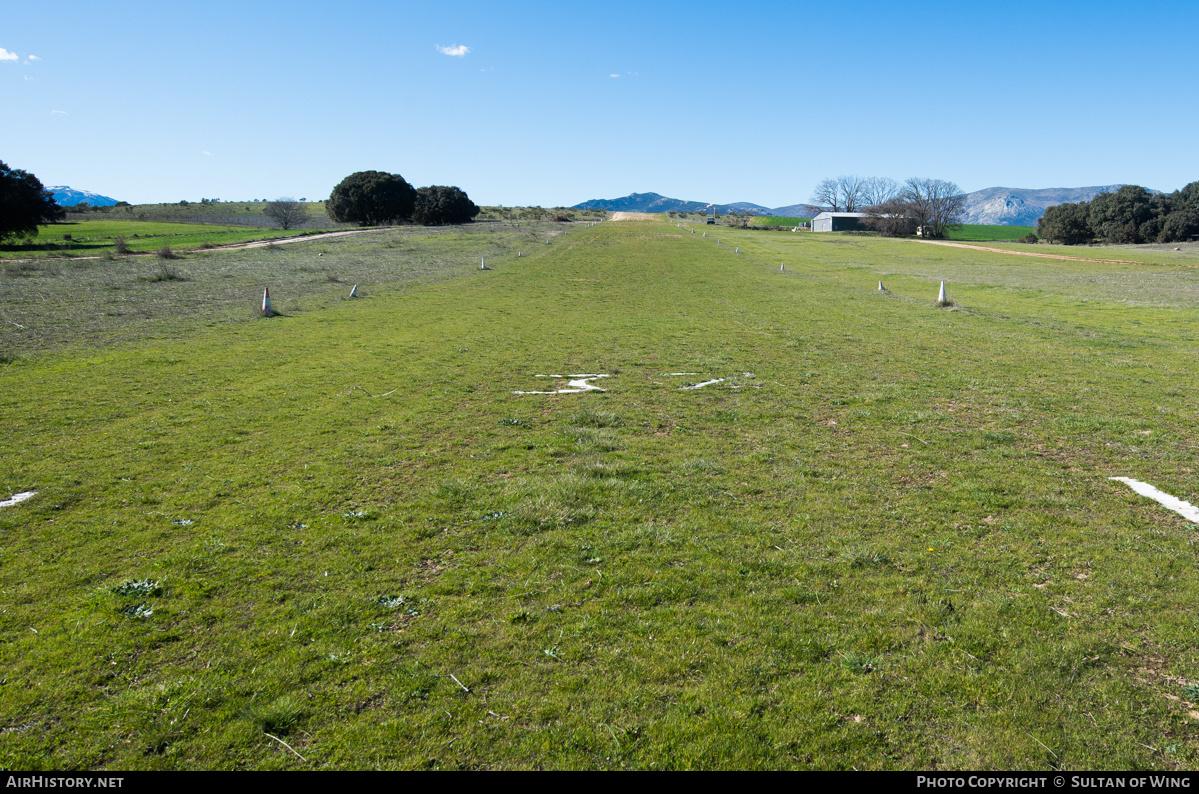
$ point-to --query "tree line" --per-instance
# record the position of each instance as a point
(1130, 215)
(367, 198)
(895, 209)
(374, 198)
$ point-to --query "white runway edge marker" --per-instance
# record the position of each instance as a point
(880, 287)
(941, 299)
(17, 498)
(577, 384)
(1184, 509)
(266, 302)
(354, 292)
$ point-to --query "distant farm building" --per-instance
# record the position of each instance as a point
(840, 222)
(861, 221)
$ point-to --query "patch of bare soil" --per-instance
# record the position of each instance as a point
(633, 216)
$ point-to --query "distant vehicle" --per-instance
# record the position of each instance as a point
(712, 217)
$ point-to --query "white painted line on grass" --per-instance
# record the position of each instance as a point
(1184, 509)
(17, 498)
(577, 384)
(705, 383)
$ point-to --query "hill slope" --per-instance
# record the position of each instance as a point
(1014, 206)
(656, 202)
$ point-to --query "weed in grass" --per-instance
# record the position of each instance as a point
(860, 663)
(456, 493)
(1191, 692)
(119, 246)
(166, 272)
(278, 717)
(165, 253)
(137, 610)
(390, 602)
(135, 587)
(512, 422)
(595, 418)
(863, 557)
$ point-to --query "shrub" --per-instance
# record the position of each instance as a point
(119, 246)
(1029, 238)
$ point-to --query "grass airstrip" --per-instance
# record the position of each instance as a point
(882, 536)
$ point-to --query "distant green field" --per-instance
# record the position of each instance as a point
(201, 213)
(97, 237)
(777, 220)
(985, 232)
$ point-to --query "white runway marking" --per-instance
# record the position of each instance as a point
(1184, 509)
(17, 498)
(577, 384)
(705, 383)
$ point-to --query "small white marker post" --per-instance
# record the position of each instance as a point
(941, 299)
(266, 302)
(880, 287)
(705, 234)
(483, 263)
(518, 254)
(782, 268)
(354, 291)
(738, 249)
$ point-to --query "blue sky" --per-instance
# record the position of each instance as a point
(555, 103)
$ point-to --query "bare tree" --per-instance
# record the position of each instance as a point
(286, 212)
(891, 218)
(934, 203)
(843, 194)
(878, 190)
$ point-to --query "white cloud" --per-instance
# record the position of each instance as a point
(59, 113)
(206, 152)
(34, 58)
(614, 75)
(5, 55)
(454, 50)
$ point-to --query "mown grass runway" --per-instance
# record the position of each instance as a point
(885, 540)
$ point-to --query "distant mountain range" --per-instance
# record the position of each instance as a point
(995, 206)
(655, 202)
(69, 197)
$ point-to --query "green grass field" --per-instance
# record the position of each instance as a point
(969, 231)
(96, 237)
(777, 220)
(886, 539)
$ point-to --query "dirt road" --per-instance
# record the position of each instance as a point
(1026, 253)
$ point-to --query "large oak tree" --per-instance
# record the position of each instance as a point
(371, 198)
(24, 204)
